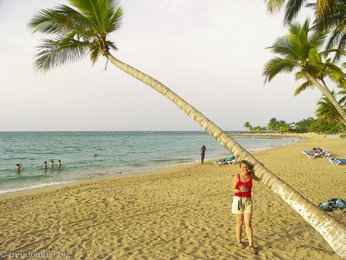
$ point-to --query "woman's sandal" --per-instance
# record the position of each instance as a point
(253, 250)
(241, 245)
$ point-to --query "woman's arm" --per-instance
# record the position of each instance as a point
(234, 184)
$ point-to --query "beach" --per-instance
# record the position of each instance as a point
(180, 212)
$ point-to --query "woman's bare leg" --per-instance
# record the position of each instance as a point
(248, 227)
(238, 227)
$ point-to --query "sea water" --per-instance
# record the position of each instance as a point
(87, 155)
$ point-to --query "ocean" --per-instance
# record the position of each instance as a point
(117, 153)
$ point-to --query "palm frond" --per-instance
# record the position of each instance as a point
(327, 112)
(299, 39)
(300, 75)
(276, 66)
(339, 39)
(294, 28)
(58, 51)
(305, 29)
(302, 87)
(95, 52)
(343, 99)
(115, 21)
(317, 39)
(60, 20)
(274, 5)
(283, 47)
(291, 10)
(314, 56)
(105, 15)
(112, 45)
(322, 7)
(336, 74)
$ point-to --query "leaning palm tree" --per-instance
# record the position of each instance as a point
(298, 50)
(84, 30)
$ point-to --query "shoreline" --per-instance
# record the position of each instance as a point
(158, 170)
(177, 212)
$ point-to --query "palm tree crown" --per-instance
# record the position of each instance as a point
(77, 32)
(299, 50)
(330, 16)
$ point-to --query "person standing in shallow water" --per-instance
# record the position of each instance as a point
(45, 166)
(203, 149)
(18, 167)
(242, 204)
(59, 164)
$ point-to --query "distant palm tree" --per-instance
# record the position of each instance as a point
(299, 51)
(272, 125)
(330, 16)
(85, 29)
(248, 125)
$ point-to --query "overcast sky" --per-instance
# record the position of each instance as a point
(210, 52)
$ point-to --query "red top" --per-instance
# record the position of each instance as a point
(248, 185)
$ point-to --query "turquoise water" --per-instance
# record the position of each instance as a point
(118, 153)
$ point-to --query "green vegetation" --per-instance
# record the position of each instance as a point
(305, 51)
(300, 51)
(329, 17)
(309, 124)
(327, 120)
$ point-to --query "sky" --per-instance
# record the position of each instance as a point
(210, 52)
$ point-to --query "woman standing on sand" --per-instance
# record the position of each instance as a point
(242, 203)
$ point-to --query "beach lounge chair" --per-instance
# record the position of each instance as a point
(337, 161)
(316, 153)
(325, 154)
(311, 154)
(229, 160)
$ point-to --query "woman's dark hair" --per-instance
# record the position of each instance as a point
(244, 162)
(249, 165)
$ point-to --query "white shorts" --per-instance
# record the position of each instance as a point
(241, 205)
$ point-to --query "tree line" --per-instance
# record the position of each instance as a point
(309, 124)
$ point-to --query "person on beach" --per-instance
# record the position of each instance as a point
(45, 166)
(18, 167)
(59, 164)
(242, 203)
(202, 150)
(52, 164)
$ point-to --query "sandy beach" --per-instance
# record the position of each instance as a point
(180, 212)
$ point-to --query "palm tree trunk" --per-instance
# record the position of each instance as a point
(326, 92)
(333, 231)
